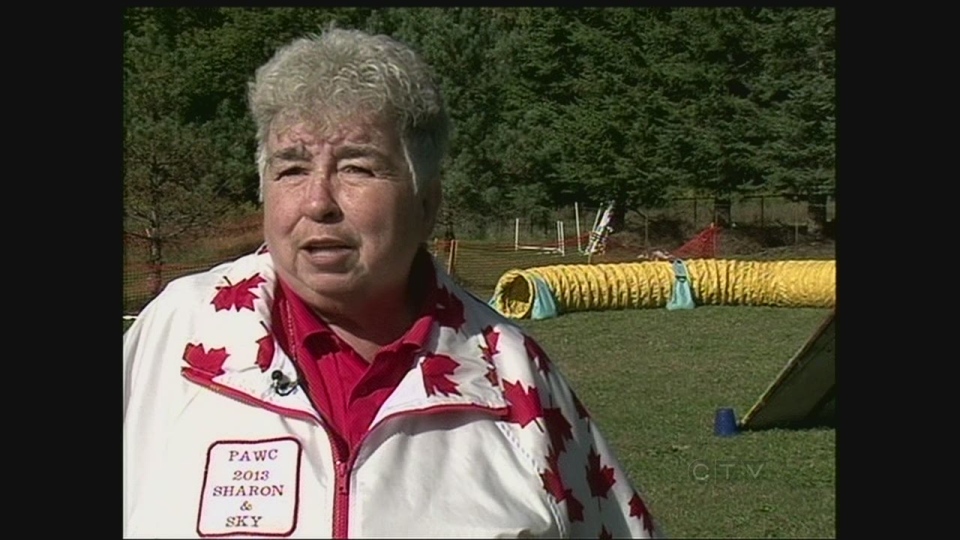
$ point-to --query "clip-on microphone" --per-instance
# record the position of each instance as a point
(282, 385)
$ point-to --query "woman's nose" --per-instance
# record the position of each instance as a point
(320, 199)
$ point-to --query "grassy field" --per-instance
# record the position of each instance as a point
(653, 380)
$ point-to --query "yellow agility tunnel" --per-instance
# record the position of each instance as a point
(650, 284)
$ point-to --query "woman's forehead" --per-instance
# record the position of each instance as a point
(356, 129)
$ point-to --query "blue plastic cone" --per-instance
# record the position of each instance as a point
(725, 423)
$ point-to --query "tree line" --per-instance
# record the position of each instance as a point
(550, 106)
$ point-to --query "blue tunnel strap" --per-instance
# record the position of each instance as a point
(682, 297)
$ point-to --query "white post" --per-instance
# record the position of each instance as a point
(516, 235)
(592, 244)
(556, 225)
(561, 240)
(576, 213)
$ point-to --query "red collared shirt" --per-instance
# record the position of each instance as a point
(346, 390)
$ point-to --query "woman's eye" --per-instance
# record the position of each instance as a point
(355, 170)
(292, 171)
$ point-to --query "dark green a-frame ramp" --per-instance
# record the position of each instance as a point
(804, 394)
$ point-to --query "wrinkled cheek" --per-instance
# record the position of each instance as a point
(278, 235)
(270, 232)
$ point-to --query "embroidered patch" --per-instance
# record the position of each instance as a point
(250, 488)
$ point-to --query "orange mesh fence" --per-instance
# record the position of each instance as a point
(702, 246)
(477, 265)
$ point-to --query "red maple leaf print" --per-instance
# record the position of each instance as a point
(208, 361)
(605, 534)
(574, 507)
(491, 337)
(536, 354)
(265, 349)
(435, 370)
(237, 296)
(638, 509)
(553, 484)
(524, 404)
(600, 477)
(553, 459)
(449, 309)
(492, 376)
(558, 427)
(581, 410)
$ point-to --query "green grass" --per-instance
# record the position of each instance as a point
(653, 379)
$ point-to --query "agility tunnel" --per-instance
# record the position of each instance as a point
(547, 291)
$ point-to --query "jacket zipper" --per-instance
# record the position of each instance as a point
(341, 500)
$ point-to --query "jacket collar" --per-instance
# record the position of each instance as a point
(233, 349)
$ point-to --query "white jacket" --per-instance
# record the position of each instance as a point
(483, 437)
